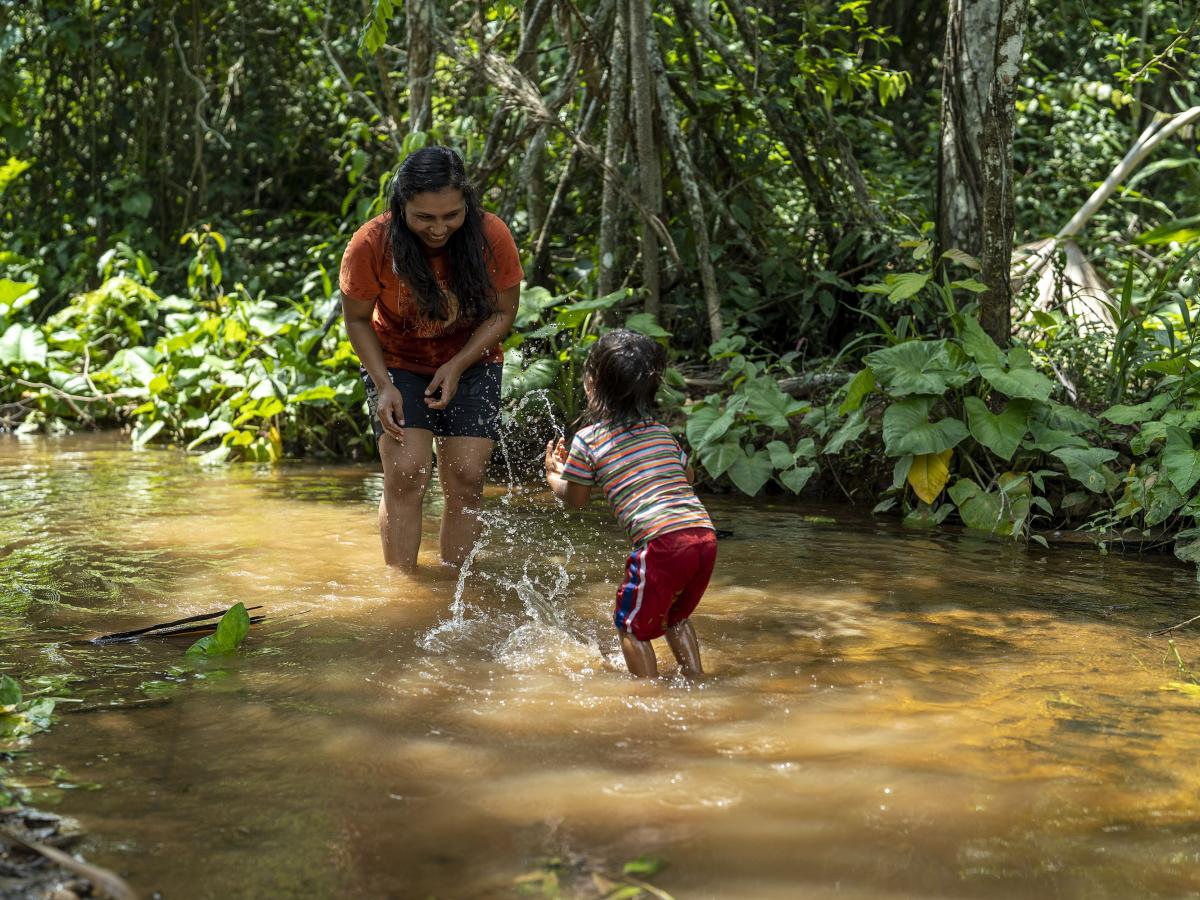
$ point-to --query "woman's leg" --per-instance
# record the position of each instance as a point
(406, 470)
(462, 465)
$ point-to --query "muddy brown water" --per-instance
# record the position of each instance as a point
(889, 713)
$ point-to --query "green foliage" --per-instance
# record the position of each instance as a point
(747, 434)
(21, 716)
(241, 377)
(231, 631)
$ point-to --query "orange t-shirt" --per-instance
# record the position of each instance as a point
(410, 340)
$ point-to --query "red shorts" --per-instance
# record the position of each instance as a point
(664, 581)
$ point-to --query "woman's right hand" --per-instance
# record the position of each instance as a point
(391, 412)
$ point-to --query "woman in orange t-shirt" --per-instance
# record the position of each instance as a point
(429, 290)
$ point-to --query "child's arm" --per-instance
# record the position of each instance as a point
(575, 496)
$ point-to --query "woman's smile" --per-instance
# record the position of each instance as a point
(434, 216)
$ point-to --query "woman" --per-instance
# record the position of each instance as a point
(429, 289)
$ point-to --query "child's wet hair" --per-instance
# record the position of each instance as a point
(624, 370)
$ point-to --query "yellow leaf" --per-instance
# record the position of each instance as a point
(929, 474)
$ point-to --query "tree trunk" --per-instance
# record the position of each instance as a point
(995, 304)
(648, 156)
(421, 55)
(614, 143)
(968, 61)
(691, 192)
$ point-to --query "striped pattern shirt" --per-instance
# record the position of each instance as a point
(641, 470)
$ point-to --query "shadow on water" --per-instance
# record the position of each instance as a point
(888, 713)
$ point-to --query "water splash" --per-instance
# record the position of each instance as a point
(537, 555)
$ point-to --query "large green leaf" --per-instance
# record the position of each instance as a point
(22, 344)
(720, 425)
(781, 455)
(1161, 503)
(856, 391)
(15, 295)
(1087, 466)
(907, 429)
(899, 287)
(717, 458)
(1017, 380)
(751, 472)
(699, 419)
(1063, 417)
(768, 403)
(1002, 433)
(1048, 439)
(574, 314)
(1135, 415)
(1180, 460)
(645, 323)
(1013, 375)
(1187, 545)
(850, 431)
(978, 344)
(1149, 434)
(917, 367)
(795, 479)
(537, 376)
(980, 510)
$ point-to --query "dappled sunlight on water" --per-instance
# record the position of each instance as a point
(887, 713)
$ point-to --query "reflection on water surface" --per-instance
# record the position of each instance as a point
(889, 713)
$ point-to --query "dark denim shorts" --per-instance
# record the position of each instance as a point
(474, 411)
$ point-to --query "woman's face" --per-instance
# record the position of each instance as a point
(435, 215)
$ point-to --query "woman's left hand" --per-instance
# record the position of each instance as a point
(444, 379)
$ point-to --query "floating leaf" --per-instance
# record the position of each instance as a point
(643, 866)
(230, 633)
(10, 693)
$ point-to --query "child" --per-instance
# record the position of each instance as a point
(646, 478)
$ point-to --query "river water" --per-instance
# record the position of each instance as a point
(888, 713)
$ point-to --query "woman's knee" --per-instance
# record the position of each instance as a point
(462, 480)
(406, 479)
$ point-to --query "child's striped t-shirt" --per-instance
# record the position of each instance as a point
(641, 470)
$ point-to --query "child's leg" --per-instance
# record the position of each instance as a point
(639, 656)
(682, 639)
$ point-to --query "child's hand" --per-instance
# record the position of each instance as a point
(556, 457)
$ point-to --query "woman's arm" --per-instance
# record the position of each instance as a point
(489, 333)
(365, 342)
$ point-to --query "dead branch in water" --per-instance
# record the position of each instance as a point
(170, 629)
(1177, 627)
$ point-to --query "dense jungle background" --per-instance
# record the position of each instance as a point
(936, 259)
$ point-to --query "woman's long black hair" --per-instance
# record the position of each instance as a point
(433, 169)
(624, 370)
